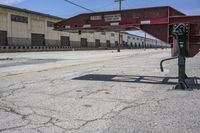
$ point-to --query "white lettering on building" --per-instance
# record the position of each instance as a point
(114, 24)
(146, 22)
(112, 17)
(95, 18)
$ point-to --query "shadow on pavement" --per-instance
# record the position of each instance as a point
(192, 82)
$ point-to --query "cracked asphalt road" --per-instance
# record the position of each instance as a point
(96, 92)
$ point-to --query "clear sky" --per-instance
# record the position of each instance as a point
(63, 9)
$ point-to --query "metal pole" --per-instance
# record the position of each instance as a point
(119, 47)
(181, 64)
(120, 8)
(119, 44)
(145, 37)
(120, 4)
(181, 33)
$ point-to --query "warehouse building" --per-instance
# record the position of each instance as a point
(24, 30)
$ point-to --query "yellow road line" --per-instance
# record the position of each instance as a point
(54, 68)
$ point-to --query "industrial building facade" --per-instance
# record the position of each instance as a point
(24, 30)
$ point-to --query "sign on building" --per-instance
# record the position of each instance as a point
(95, 18)
(112, 17)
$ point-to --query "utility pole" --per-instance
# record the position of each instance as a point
(120, 8)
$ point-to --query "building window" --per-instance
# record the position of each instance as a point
(112, 34)
(103, 33)
(50, 24)
(18, 18)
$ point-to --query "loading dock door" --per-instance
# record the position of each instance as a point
(3, 38)
(37, 39)
(65, 41)
(108, 43)
(116, 43)
(97, 43)
(84, 42)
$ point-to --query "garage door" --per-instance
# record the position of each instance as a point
(108, 43)
(3, 38)
(65, 41)
(84, 42)
(97, 43)
(37, 39)
(116, 43)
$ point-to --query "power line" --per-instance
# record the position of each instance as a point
(102, 7)
(79, 6)
(96, 10)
